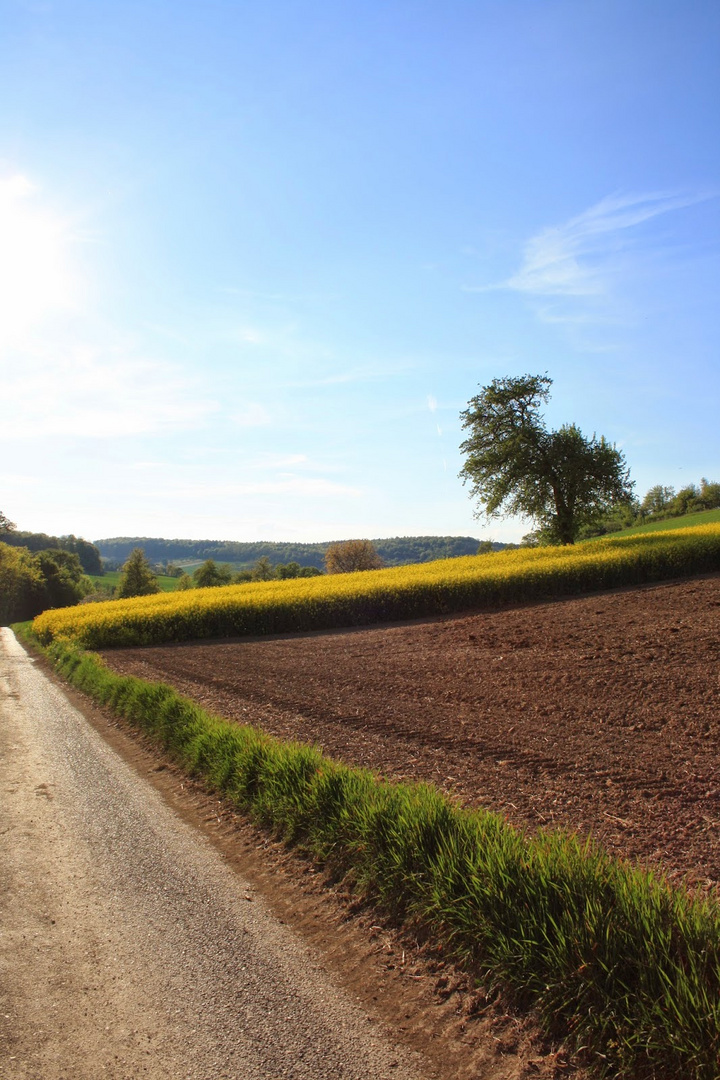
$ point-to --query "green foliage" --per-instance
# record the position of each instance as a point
(6, 525)
(31, 582)
(211, 575)
(350, 556)
(609, 957)
(87, 553)
(657, 501)
(64, 582)
(110, 579)
(262, 570)
(660, 503)
(291, 570)
(514, 465)
(22, 587)
(485, 547)
(672, 524)
(137, 577)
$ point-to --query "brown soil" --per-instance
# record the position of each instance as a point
(596, 714)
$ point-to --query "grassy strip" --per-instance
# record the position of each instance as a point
(687, 521)
(111, 578)
(611, 958)
(386, 595)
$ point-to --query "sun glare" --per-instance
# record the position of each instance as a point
(36, 276)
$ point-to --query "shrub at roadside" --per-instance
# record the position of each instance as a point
(21, 585)
(612, 959)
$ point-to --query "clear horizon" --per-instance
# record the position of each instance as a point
(256, 259)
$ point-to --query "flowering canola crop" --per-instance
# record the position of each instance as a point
(405, 592)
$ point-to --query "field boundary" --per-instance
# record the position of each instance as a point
(611, 958)
(391, 595)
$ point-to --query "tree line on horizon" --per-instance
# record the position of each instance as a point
(572, 487)
(394, 551)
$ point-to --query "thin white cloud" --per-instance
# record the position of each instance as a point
(432, 403)
(282, 463)
(80, 391)
(305, 486)
(577, 257)
(252, 415)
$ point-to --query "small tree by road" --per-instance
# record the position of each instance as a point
(351, 555)
(515, 465)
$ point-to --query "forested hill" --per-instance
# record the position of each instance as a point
(87, 553)
(395, 551)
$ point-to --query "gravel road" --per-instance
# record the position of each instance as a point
(128, 947)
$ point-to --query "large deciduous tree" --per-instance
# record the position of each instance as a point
(515, 465)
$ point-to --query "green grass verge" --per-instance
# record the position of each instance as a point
(111, 579)
(704, 517)
(609, 957)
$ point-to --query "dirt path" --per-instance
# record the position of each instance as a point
(599, 714)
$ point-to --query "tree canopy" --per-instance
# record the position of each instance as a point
(351, 555)
(515, 465)
(138, 578)
(6, 525)
(211, 575)
(87, 553)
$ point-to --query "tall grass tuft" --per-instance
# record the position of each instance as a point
(611, 958)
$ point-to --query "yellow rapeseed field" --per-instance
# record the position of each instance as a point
(405, 592)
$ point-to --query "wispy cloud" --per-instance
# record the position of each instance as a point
(252, 415)
(306, 486)
(84, 392)
(574, 270)
(577, 258)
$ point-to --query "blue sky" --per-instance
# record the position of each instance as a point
(255, 257)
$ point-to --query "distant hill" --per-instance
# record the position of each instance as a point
(396, 551)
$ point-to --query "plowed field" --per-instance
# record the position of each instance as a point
(598, 714)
